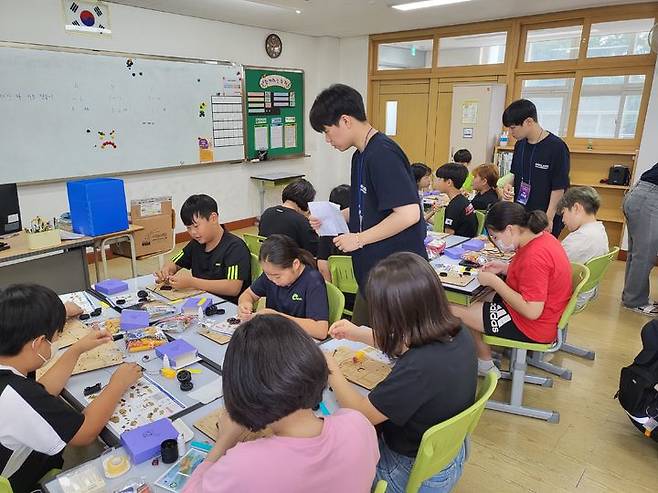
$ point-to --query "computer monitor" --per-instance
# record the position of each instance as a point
(10, 213)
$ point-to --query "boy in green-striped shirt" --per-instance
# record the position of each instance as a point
(220, 261)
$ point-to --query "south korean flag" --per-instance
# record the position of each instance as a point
(89, 17)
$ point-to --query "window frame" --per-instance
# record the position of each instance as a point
(547, 65)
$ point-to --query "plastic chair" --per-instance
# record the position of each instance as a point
(253, 242)
(481, 216)
(5, 486)
(381, 486)
(518, 364)
(336, 303)
(256, 269)
(439, 220)
(598, 266)
(442, 442)
(342, 275)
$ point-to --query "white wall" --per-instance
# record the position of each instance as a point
(325, 60)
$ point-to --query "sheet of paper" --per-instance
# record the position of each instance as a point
(209, 392)
(276, 136)
(260, 138)
(68, 235)
(333, 222)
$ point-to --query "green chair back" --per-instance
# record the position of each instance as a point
(598, 266)
(579, 276)
(5, 486)
(253, 242)
(342, 275)
(256, 269)
(481, 215)
(381, 486)
(439, 220)
(442, 442)
(336, 303)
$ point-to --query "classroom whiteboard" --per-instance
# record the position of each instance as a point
(71, 113)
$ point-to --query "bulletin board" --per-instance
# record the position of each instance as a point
(275, 112)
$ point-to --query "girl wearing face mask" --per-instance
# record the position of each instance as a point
(530, 299)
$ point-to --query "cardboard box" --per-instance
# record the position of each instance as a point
(158, 218)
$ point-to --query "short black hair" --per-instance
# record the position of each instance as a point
(334, 102)
(420, 171)
(518, 111)
(587, 197)
(462, 156)
(28, 311)
(201, 205)
(341, 195)
(272, 368)
(453, 171)
(301, 192)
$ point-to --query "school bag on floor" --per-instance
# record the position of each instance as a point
(638, 384)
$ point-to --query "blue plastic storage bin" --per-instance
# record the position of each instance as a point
(98, 206)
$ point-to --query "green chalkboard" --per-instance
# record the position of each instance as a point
(275, 112)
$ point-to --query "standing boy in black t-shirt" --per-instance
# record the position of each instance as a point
(384, 214)
(460, 216)
(290, 218)
(540, 165)
(36, 423)
(220, 261)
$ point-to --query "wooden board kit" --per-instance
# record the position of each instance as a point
(367, 372)
(73, 331)
(173, 294)
(209, 426)
(219, 332)
(144, 402)
(455, 275)
(104, 356)
(492, 252)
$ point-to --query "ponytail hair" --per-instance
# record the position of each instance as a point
(503, 214)
(281, 250)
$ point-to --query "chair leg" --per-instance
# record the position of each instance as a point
(518, 367)
(537, 360)
(578, 351)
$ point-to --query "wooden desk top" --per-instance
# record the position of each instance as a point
(19, 249)
(273, 177)
(132, 228)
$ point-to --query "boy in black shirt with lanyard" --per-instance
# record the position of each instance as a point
(384, 213)
(220, 261)
(540, 165)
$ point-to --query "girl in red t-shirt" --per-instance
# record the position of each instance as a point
(529, 303)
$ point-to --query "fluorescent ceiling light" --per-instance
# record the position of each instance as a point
(423, 4)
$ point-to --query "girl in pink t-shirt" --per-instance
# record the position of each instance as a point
(274, 375)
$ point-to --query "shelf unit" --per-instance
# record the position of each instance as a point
(588, 168)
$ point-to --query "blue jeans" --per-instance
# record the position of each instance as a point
(395, 469)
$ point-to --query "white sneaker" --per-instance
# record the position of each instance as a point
(485, 366)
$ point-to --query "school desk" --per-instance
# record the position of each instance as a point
(460, 295)
(63, 267)
(103, 241)
(271, 180)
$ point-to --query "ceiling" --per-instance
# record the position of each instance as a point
(343, 18)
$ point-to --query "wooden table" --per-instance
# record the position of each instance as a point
(273, 180)
(62, 268)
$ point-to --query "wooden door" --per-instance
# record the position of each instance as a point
(401, 110)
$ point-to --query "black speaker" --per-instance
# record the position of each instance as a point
(619, 175)
(10, 213)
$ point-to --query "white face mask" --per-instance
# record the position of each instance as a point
(505, 247)
(54, 352)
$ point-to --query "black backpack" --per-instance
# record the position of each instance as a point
(638, 383)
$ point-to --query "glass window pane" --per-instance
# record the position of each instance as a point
(405, 55)
(552, 97)
(560, 43)
(619, 38)
(609, 107)
(476, 49)
(391, 117)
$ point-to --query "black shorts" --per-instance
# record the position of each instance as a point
(498, 322)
